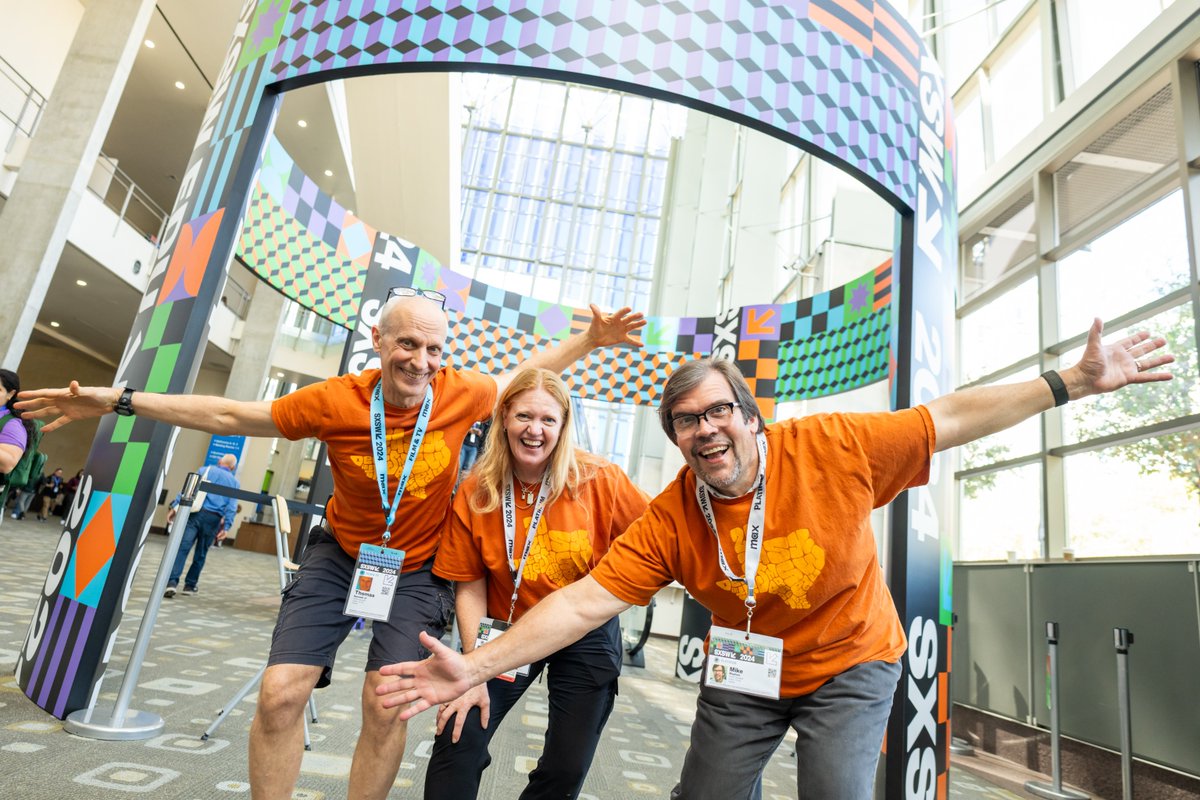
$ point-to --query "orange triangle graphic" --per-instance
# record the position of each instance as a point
(95, 547)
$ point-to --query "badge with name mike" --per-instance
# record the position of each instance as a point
(741, 662)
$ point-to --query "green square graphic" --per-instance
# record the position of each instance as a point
(131, 467)
(164, 365)
(158, 324)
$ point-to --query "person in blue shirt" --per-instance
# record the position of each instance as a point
(214, 517)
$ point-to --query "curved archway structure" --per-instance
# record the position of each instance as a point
(847, 80)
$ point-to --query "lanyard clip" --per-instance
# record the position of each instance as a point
(750, 605)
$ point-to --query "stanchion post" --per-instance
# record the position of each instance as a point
(1122, 639)
(121, 723)
(1053, 790)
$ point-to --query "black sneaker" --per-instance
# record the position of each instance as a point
(170, 592)
(190, 590)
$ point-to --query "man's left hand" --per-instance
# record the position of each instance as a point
(1106, 368)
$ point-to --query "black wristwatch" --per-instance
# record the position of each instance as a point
(124, 404)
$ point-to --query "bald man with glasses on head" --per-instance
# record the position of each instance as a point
(393, 436)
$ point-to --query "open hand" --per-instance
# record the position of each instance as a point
(475, 696)
(62, 406)
(616, 328)
(1106, 368)
(442, 677)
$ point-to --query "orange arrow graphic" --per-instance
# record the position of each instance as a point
(759, 325)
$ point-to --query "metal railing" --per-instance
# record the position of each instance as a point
(236, 298)
(305, 331)
(133, 206)
(20, 104)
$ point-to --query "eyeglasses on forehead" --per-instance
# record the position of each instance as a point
(408, 291)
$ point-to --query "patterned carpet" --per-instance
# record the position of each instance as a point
(206, 646)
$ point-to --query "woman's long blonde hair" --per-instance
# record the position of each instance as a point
(567, 468)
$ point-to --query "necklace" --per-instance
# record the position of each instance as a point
(527, 492)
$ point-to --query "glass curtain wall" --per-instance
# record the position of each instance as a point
(1102, 232)
(562, 200)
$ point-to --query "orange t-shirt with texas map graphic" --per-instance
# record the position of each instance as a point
(572, 535)
(338, 412)
(819, 586)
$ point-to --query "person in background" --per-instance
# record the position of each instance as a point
(69, 491)
(50, 493)
(16, 432)
(470, 450)
(533, 516)
(204, 526)
(768, 526)
(15, 435)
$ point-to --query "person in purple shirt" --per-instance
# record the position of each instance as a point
(15, 433)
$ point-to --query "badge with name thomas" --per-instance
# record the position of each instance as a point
(373, 585)
(743, 662)
(490, 630)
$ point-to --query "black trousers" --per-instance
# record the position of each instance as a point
(582, 682)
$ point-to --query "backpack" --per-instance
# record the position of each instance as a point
(33, 461)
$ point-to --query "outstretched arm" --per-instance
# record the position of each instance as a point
(210, 414)
(970, 414)
(554, 623)
(606, 330)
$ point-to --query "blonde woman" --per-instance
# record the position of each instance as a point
(534, 515)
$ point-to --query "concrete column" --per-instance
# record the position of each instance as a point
(255, 355)
(62, 154)
(405, 134)
(286, 466)
(256, 350)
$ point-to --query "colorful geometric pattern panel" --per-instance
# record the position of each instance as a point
(839, 76)
(837, 341)
(792, 345)
(285, 254)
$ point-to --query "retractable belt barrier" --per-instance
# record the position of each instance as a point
(124, 723)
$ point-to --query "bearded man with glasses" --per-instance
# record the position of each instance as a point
(768, 526)
(393, 436)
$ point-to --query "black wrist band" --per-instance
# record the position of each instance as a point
(124, 405)
(1057, 387)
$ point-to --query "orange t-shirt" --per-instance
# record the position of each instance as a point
(572, 535)
(819, 586)
(338, 412)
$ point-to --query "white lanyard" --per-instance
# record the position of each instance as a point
(510, 533)
(754, 528)
(379, 451)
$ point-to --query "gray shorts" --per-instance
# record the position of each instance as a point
(311, 625)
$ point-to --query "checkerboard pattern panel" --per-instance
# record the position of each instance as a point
(285, 254)
(836, 360)
(837, 74)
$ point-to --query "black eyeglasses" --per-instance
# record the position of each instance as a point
(717, 416)
(408, 291)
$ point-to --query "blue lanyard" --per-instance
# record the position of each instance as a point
(379, 451)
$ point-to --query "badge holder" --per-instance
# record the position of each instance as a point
(490, 630)
(373, 587)
(287, 568)
(744, 662)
